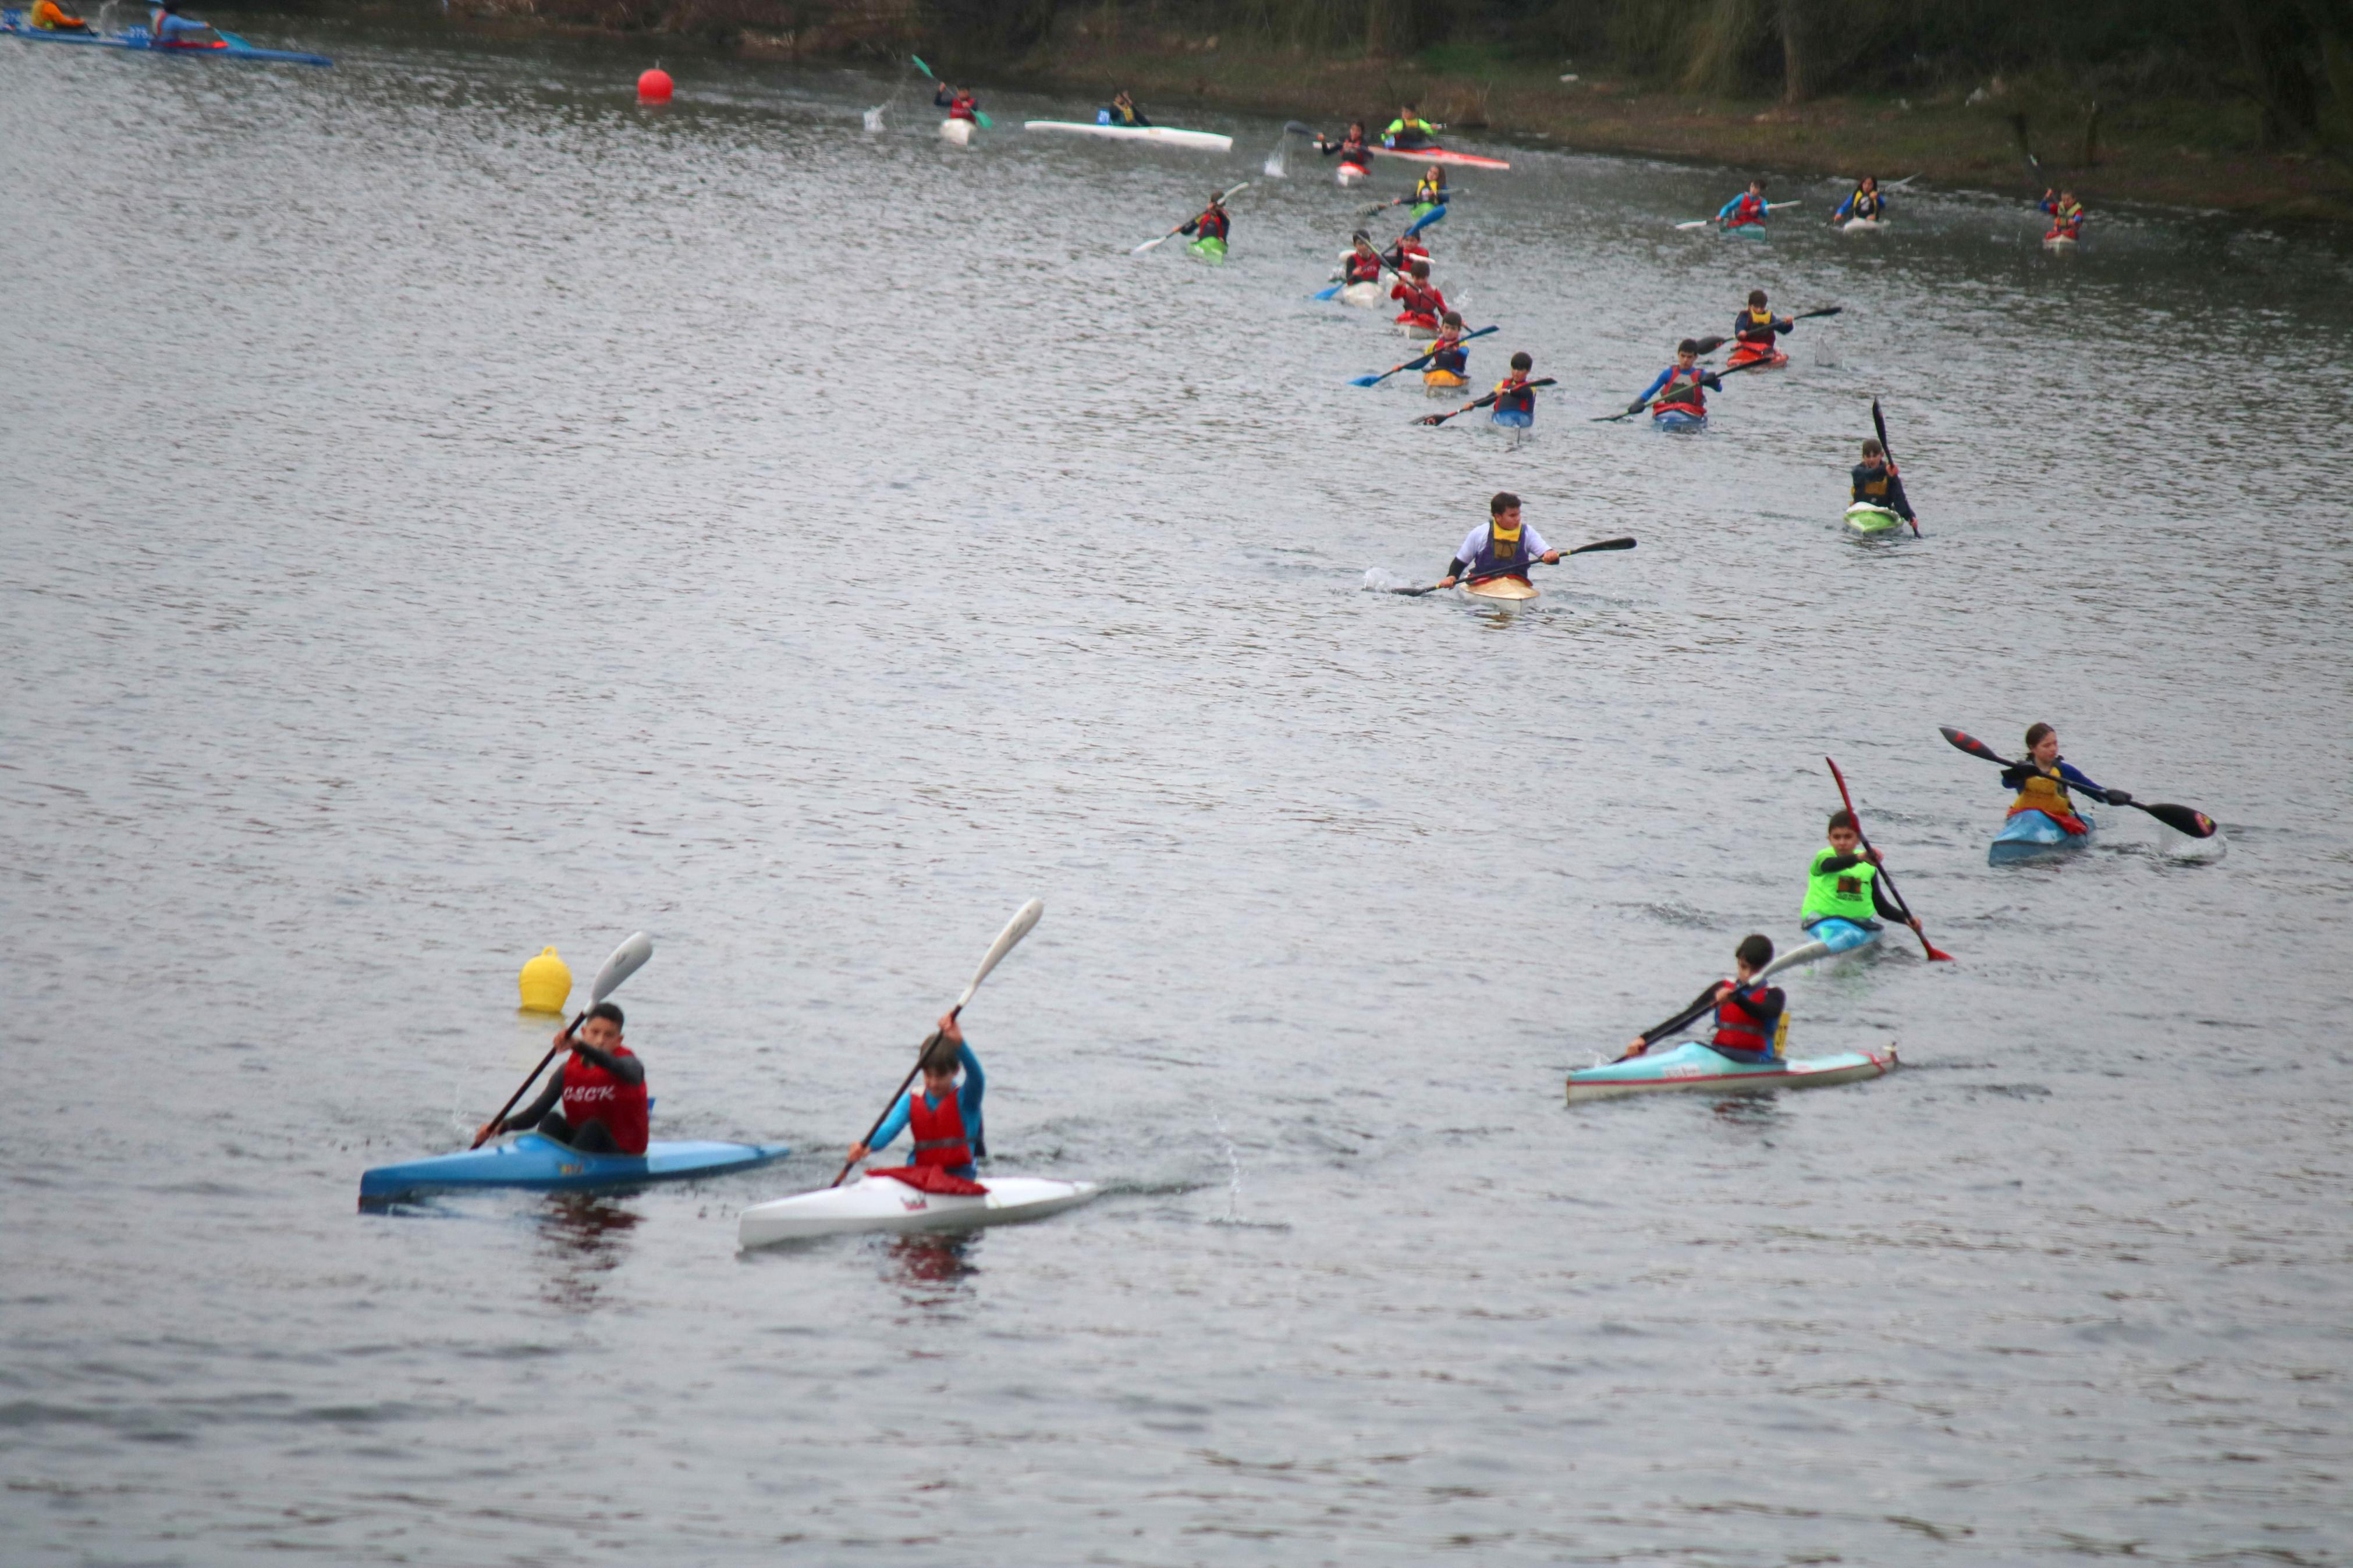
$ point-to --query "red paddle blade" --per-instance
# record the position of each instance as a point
(1968, 743)
(1937, 954)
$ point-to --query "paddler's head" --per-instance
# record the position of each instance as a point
(1757, 299)
(942, 1058)
(1364, 242)
(1755, 952)
(1356, 128)
(1871, 183)
(1217, 201)
(1875, 455)
(2043, 743)
(1844, 836)
(1452, 321)
(1408, 114)
(1522, 363)
(1503, 511)
(602, 1026)
(1686, 352)
(1421, 271)
(1757, 186)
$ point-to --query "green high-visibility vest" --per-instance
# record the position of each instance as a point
(1839, 894)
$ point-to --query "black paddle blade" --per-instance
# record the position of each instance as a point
(1625, 543)
(1709, 345)
(1879, 423)
(2182, 819)
(1971, 745)
(1436, 418)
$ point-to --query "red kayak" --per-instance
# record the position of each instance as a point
(1443, 155)
(1744, 355)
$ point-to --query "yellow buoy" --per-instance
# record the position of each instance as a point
(544, 983)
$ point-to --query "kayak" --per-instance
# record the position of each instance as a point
(1692, 1065)
(1513, 418)
(2055, 241)
(1863, 225)
(230, 46)
(1738, 358)
(1420, 331)
(1165, 135)
(1744, 230)
(1830, 938)
(1508, 590)
(1422, 218)
(1676, 422)
(2028, 835)
(1352, 175)
(1367, 295)
(1867, 519)
(1441, 155)
(957, 130)
(1210, 249)
(879, 1203)
(1437, 382)
(542, 1164)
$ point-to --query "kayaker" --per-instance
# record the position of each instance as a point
(167, 29)
(1430, 191)
(1423, 304)
(1362, 264)
(959, 103)
(1122, 111)
(1408, 130)
(1843, 884)
(1679, 385)
(45, 17)
(1449, 359)
(1754, 330)
(1355, 151)
(1877, 482)
(2043, 779)
(602, 1089)
(944, 1115)
(1498, 547)
(1865, 203)
(1745, 209)
(2066, 215)
(1516, 400)
(1403, 252)
(1751, 1017)
(1214, 221)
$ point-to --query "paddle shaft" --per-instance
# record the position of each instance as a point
(516, 1098)
(1425, 358)
(1622, 542)
(1892, 891)
(1879, 423)
(1719, 374)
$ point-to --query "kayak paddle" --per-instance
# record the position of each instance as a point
(1376, 380)
(1007, 941)
(1879, 423)
(983, 121)
(626, 960)
(1482, 403)
(1706, 222)
(1173, 233)
(2180, 818)
(1646, 408)
(1679, 1022)
(1623, 543)
(1935, 955)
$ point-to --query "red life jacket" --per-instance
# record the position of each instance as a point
(1423, 304)
(592, 1094)
(1736, 1026)
(1212, 225)
(1363, 268)
(962, 107)
(939, 1132)
(1684, 390)
(1750, 210)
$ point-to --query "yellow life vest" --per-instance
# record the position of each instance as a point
(2045, 792)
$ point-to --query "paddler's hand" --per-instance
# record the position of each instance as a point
(1446, 581)
(1872, 856)
(859, 1152)
(1636, 1049)
(1551, 558)
(1635, 407)
(950, 1030)
(488, 1130)
(1723, 989)
(2119, 797)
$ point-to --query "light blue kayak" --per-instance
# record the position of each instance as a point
(1830, 938)
(542, 1164)
(2028, 835)
(1513, 418)
(1693, 1065)
(1676, 421)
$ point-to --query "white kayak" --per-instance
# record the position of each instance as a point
(1367, 295)
(875, 1203)
(1165, 135)
(1349, 175)
(957, 130)
(1863, 225)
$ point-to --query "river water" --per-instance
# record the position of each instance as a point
(450, 510)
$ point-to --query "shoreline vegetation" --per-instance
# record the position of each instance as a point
(2245, 106)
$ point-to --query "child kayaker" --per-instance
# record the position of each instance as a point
(1450, 360)
(1408, 130)
(1423, 304)
(602, 1089)
(1430, 195)
(1843, 890)
(1362, 264)
(959, 103)
(1747, 209)
(1753, 332)
(1498, 547)
(1751, 1017)
(943, 1115)
(2043, 782)
(167, 29)
(1122, 111)
(1516, 400)
(2066, 215)
(1355, 151)
(1877, 482)
(47, 17)
(1214, 222)
(1865, 203)
(1679, 387)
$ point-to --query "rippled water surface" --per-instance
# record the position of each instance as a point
(448, 510)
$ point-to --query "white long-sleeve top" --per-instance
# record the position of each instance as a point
(1476, 540)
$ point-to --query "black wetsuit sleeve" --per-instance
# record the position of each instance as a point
(1886, 906)
(1766, 1010)
(1190, 226)
(532, 1115)
(1455, 569)
(628, 1069)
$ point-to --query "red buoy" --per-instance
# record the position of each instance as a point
(653, 87)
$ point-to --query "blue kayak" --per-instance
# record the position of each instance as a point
(13, 23)
(1693, 1065)
(1513, 418)
(1676, 420)
(2028, 835)
(1830, 937)
(542, 1164)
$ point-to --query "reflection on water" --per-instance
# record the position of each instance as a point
(931, 1271)
(585, 1236)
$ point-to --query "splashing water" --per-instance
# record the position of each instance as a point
(874, 118)
(1233, 1163)
(1378, 581)
(1275, 168)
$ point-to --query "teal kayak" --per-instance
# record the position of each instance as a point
(2029, 835)
(13, 23)
(1691, 1066)
(542, 1164)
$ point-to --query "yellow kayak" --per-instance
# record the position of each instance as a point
(1507, 588)
(1436, 382)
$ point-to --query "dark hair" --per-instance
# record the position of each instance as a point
(1453, 318)
(1755, 951)
(1872, 448)
(1504, 502)
(1759, 182)
(940, 1055)
(1421, 267)
(1360, 237)
(1521, 361)
(1688, 346)
(1756, 296)
(605, 1010)
(2034, 733)
(1842, 817)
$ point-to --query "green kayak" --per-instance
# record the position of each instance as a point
(1864, 518)
(1209, 249)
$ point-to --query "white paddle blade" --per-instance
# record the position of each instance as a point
(1696, 223)
(626, 960)
(1007, 941)
(1146, 246)
(1795, 956)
